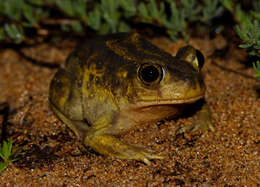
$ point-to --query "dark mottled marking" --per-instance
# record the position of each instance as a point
(85, 120)
(91, 77)
(183, 71)
(59, 84)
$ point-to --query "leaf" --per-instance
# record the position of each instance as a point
(6, 153)
(2, 154)
(13, 32)
(173, 35)
(241, 33)
(191, 9)
(80, 7)
(3, 166)
(177, 20)
(9, 148)
(257, 46)
(5, 150)
(65, 27)
(2, 34)
(212, 8)
(66, 6)
(129, 7)
(110, 13)
(77, 27)
(143, 10)
(152, 8)
(123, 27)
(256, 67)
(13, 9)
(104, 29)
(246, 45)
(28, 14)
(228, 4)
(35, 2)
(16, 151)
(94, 18)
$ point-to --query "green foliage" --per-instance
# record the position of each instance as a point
(151, 13)
(14, 32)
(7, 154)
(248, 28)
(181, 14)
(176, 24)
(212, 9)
(191, 10)
(73, 7)
(228, 4)
(249, 32)
(110, 16)
(256, 67)
(18, 15)
(104, 16)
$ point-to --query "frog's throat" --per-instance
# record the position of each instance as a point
(158, 101)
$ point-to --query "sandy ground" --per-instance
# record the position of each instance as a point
(53, 156)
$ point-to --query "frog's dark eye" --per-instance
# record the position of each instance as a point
(200, 59)
(150, 74)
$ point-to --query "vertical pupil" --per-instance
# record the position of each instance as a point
(150, 73)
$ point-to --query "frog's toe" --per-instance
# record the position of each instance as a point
(110, 146)
(146, 156)
(140, 154)
(204, 126)
(203, 122)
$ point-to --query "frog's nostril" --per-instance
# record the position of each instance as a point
(186, 79)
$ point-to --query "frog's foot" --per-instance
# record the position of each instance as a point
(110, 146)
(138, 153)
(203, 123)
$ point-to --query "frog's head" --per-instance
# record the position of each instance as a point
(170, 80)
(154, 77)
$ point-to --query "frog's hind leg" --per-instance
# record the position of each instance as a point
(65, 120)
(65, 101)
(104, 143)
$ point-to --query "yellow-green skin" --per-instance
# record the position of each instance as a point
(100, 94)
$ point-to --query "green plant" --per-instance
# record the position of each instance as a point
(24, 19)
(212, 8)
(19, 18)
(249, 32)
(7, 154)
(256, 67)
(248, 29)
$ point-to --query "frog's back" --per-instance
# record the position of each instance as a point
(66, 86)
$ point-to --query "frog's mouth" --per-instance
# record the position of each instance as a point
(171, 101)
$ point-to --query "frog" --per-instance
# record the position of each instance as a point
(116, 83)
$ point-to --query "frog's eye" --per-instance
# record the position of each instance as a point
(200, 58)
(192, 56)
(150, 74)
